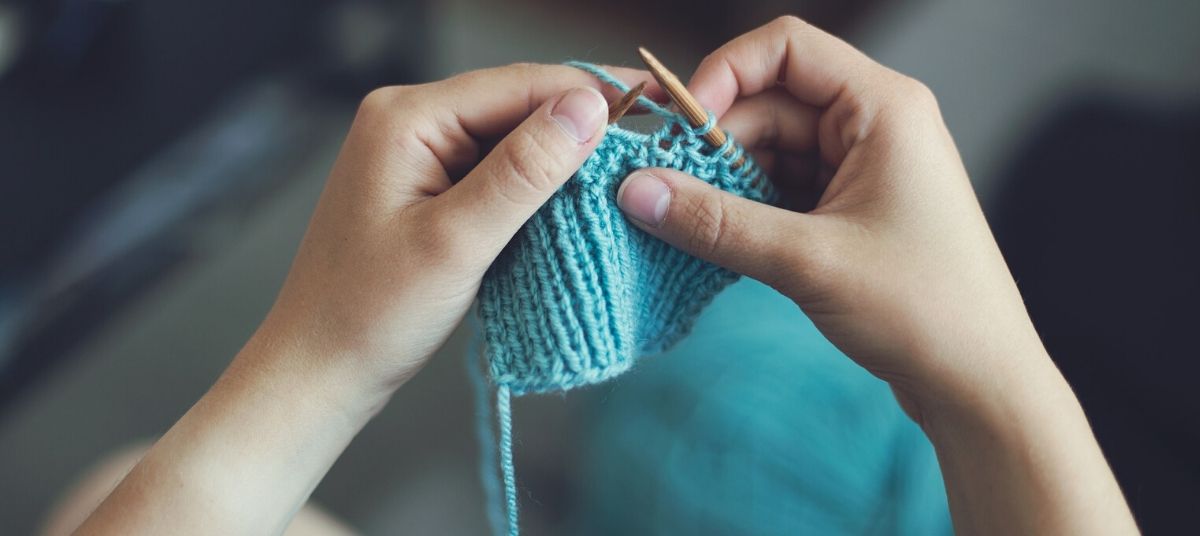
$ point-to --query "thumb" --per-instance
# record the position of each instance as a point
(745, 236)
(527, 167)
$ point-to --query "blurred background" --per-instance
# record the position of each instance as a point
(159, 161)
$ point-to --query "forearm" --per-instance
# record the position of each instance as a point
(391, 263)
(246, 457)
(1020, 458)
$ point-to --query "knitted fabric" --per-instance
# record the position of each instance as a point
(580, 293)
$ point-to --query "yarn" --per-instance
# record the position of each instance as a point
(484, 434)
(579, 294)
(754, 424)
(506, 458)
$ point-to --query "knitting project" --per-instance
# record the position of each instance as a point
(580, 293)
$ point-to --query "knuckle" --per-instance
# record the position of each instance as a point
(916, 93)
(381, 105)
(376, 101)
(708, 218)
(909, 103)
(790, 23)
(386, 116)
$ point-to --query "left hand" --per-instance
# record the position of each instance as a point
(398, 245)
(392, 260)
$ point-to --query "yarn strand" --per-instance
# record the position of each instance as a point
(485, 432)
(611, 80)
(504, 412)
(579, 294)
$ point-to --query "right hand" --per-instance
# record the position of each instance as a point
(887, 250)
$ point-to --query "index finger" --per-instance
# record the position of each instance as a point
(813, 65)
(446, 125)
(490, 102)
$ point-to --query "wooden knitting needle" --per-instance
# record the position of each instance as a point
(622, 105)
(696, 115)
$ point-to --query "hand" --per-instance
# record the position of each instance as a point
(398, 244)
(887, 250)
(889, 254)
(412, 215)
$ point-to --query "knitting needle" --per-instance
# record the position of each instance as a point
(692, 110)
(622, 105)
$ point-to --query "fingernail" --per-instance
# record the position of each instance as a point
(644, 198)
(580, 113)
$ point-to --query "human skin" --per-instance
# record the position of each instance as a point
(895, 264)
(885, 248)
(412, 215)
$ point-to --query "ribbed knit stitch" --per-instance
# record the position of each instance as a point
(580, 293)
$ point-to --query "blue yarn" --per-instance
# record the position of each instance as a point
(579, 294)
(506, 457)
(755, 424)
(484, 434)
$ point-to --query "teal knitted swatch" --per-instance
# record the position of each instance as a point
(580, 293)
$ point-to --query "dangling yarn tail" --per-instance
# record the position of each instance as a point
(486, 436)
(496, 511)
(504, 412)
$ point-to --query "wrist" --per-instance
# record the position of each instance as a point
(1011, 401)
(247, 455)
(337, 378)
(1020, 452)
(980, 374)
(987, 371)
